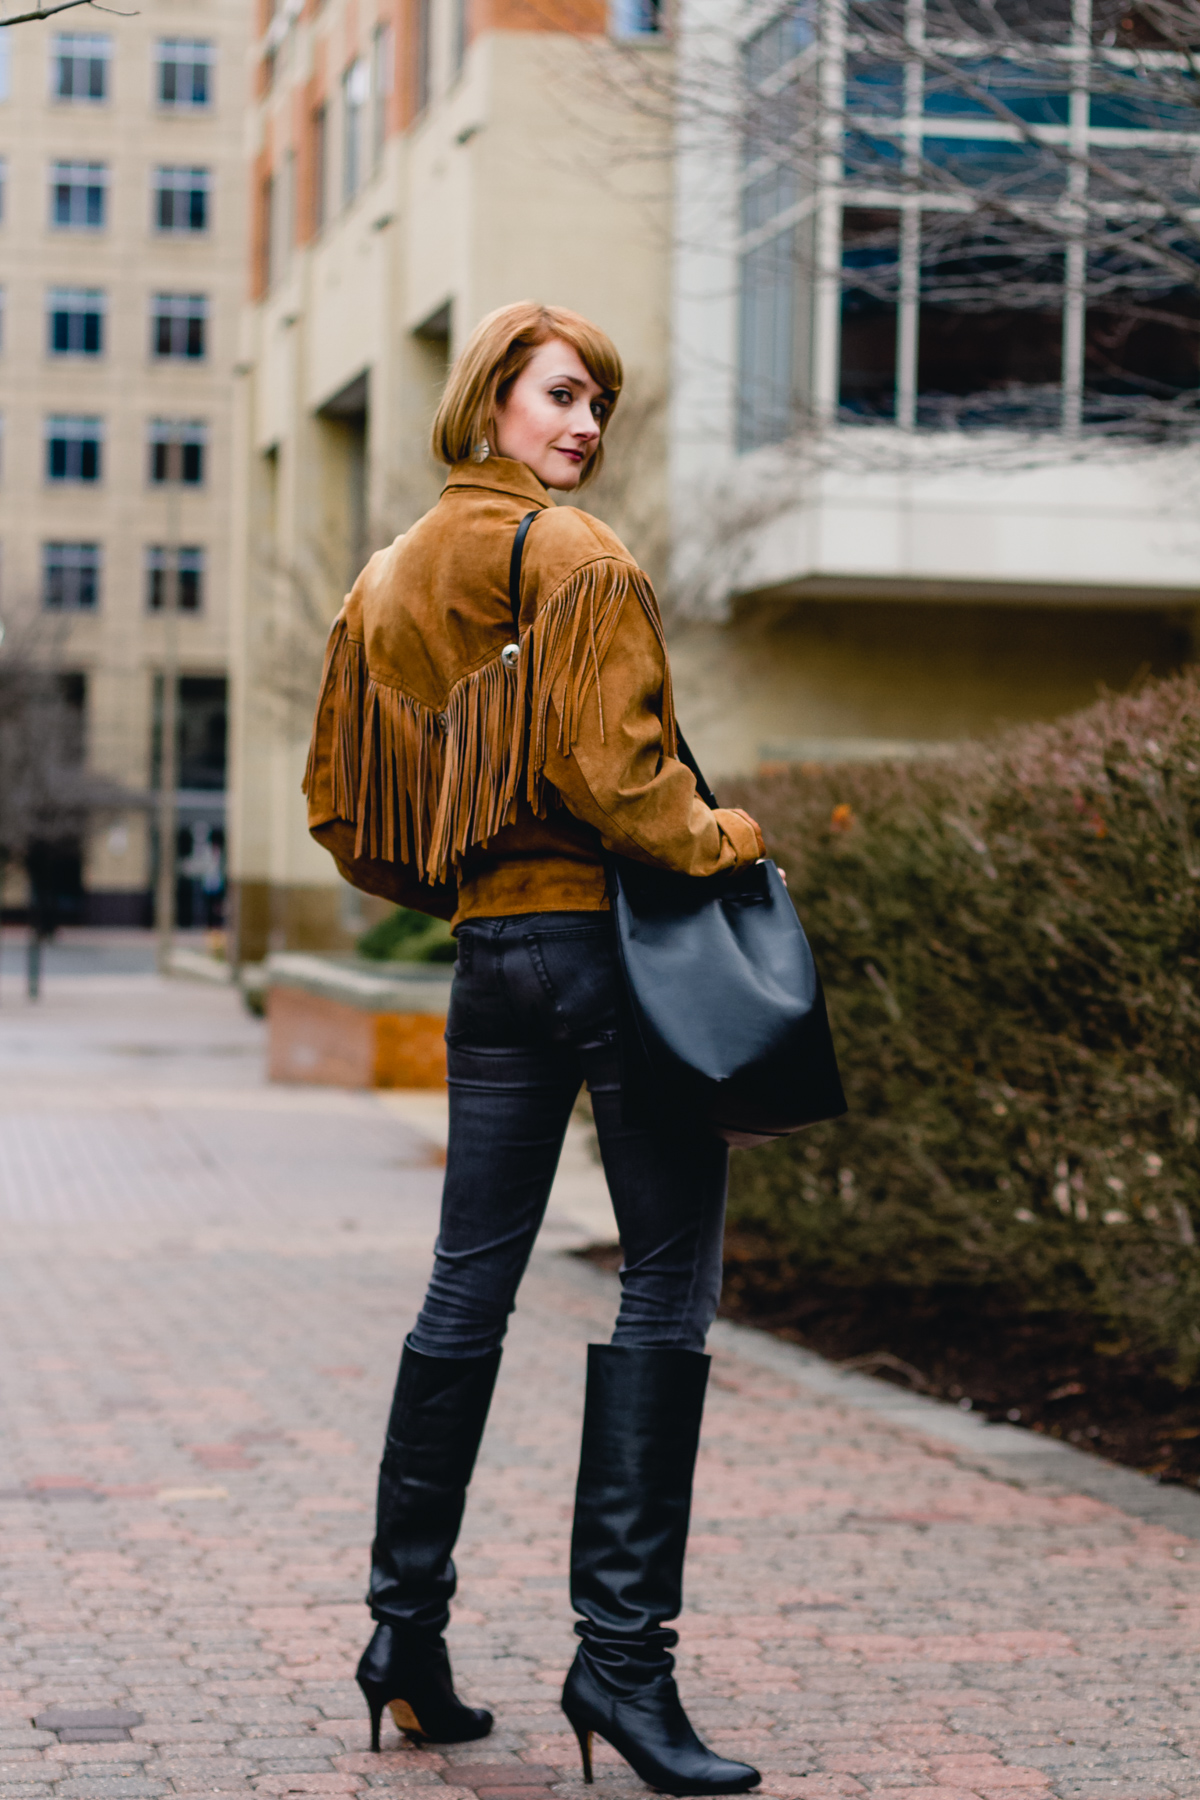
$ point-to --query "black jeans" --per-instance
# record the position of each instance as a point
(533, 1012)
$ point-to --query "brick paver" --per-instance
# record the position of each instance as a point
(204, 1288)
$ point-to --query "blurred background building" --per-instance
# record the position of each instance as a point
(123, 239)
(933, 458)
(907, 293)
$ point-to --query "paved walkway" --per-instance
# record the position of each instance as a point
(204, 1287)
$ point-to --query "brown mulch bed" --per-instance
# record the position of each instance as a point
(1049, 1372)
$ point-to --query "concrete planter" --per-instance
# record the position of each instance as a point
(342, 1024)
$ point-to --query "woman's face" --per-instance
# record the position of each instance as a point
(551, 418)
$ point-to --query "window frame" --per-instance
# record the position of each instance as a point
(62, 566)
(97, 58)
(94, 181)
(188, 180)
(206, 61)
(83, 433)
(60, 304)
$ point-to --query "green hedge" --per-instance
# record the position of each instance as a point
(1010, 944)
(407, 936)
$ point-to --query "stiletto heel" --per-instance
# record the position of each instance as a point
(375, 1708)
(409, 1673)
(585, 1750)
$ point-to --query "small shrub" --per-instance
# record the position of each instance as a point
(1010, 946)
(406, 936)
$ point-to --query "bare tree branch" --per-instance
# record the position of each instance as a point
(47, 12)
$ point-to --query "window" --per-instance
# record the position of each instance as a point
(181, 199)
(381, 89)
(179, 326)
(184, 73)
(79, 66)
(964, 302)
(177, 448)
(78, 195)
(71, 577)
(187, 564)
(356, 91)
(769, 311)
(75, 321)
(636, 18)
(74, 446)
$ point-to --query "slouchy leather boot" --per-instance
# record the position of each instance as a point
(436, 1423)
(641, 1431)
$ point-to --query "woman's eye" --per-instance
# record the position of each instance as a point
(562, 394)
(598, 410)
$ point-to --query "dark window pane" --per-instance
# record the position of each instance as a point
(1017, 170)
(1040, 96)
(195, 337)
(990, 333)
(168, 91)
(870, 273)
(93, 328)
(872, 161)
(189, 590)
(875, 87)
(60, 332)
(95, 206)
(197, 209)
(199, 84)
(89, 460)
(1019, 21)
(193, 462)
(62, 203)
(57, 464)
(97, 70)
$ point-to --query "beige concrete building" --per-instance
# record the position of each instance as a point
(417, 163)
(123, 248)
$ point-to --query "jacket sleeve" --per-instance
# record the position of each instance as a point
(614, 773)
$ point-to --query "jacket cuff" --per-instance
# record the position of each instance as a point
(742, 836)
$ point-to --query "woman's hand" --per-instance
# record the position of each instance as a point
(754, 826)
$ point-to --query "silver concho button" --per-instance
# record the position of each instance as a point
(510, 655)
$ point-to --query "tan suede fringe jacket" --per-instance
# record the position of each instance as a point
(444, 780)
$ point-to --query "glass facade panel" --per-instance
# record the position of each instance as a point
(766, 386)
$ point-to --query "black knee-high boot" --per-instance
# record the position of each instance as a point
(641, 1431)
(436, 1423)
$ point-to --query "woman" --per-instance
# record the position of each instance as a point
(482, 773)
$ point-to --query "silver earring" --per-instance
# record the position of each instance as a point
(481, 451)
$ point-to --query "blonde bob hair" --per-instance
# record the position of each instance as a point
(492, 358)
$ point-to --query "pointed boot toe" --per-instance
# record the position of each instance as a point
(653, 1733)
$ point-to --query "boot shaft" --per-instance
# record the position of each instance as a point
(641, 1432)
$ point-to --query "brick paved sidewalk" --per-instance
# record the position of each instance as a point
(204, 1289)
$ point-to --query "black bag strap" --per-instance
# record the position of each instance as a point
(514, 571)
(514, 601)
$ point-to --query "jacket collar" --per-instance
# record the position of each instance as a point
(504, 475)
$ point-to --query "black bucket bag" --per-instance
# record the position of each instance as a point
(725, 1012)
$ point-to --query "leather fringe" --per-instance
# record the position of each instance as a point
(423, 787)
